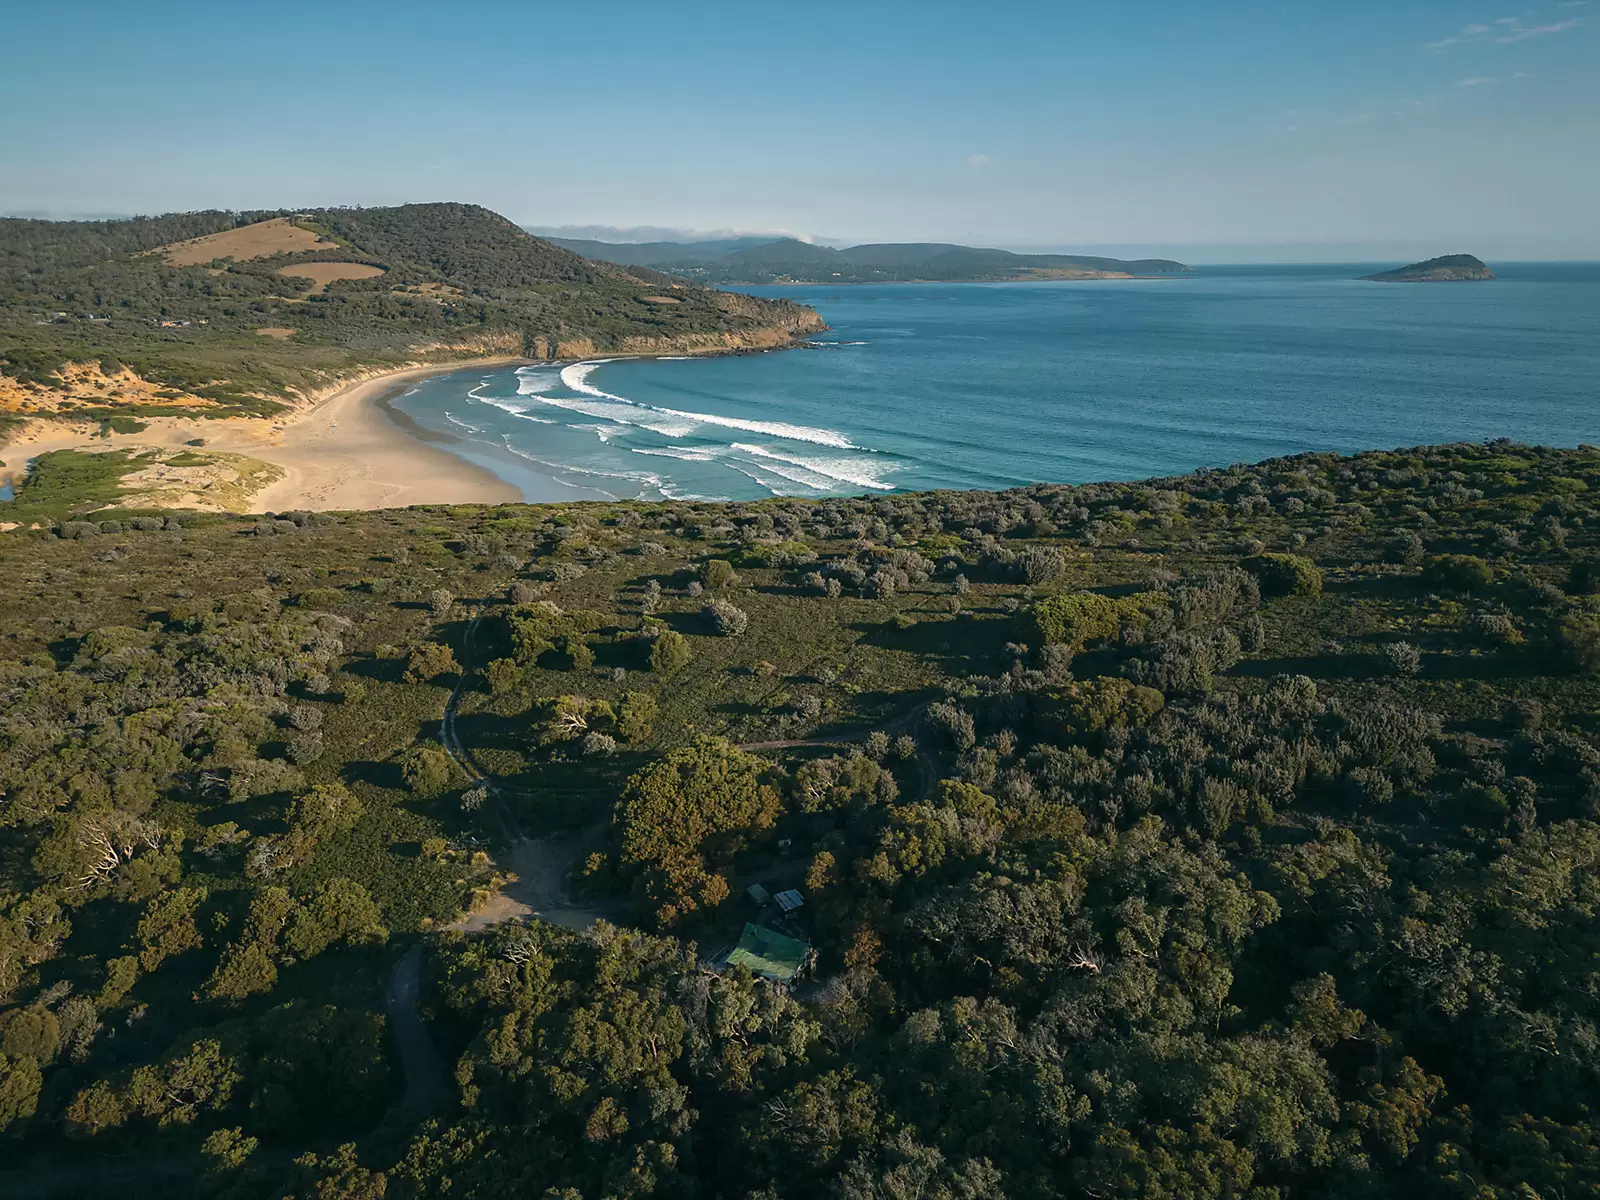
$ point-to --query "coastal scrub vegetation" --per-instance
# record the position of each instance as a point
(102, 318)
(1228, 835)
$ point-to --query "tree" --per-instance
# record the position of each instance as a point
(682, 813)
(571, 718)
(429, 660)
(503, 675)
(168, 926)
(636, 716)
(669, 652)
(340, 910)
(20, 1081)
(426, 769)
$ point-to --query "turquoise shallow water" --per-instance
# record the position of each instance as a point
(993, 385)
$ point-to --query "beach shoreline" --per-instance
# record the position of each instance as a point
(341, 451)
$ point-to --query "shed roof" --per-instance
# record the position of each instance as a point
(769, 954)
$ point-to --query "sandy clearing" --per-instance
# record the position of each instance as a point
(275, 331)
(261, 240)
(660, 300)
(323, 273)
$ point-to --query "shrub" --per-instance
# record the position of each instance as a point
(1402, 658)
(1073, 620)
(1095, 705)
(578, 655)
(599, 745)
(322, 598)
(1285, 574)
(1499, 629)
(1039, 564)
(1580, 639)
(1404, 548)
(726, 620)
(440, 602)
(669, 652)
(1583, 578)
(1457, 572)
(717, 573)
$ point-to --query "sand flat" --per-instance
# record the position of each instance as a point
(261, 240)
(323, 273)
(341, 452)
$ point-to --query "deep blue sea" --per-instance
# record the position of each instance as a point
(993, 385)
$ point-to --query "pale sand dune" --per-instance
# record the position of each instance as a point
(340, 453)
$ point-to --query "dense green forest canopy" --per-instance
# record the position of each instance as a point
(452, 281)
(1231, 835)
(1444, 268)
(787, 260)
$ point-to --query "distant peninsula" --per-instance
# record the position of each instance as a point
(1448, 268)
(789, 260)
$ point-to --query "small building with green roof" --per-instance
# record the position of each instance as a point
(769, 954)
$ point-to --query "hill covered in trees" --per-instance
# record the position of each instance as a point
(788, 260)
(221, 313)
(1231, 835)
(1449, 268)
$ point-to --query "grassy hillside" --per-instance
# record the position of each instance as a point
(788, 260)
(1232, 835)
(205, 313)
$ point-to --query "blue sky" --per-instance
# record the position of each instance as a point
(1222, 130)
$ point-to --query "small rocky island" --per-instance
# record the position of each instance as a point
(1446, 269)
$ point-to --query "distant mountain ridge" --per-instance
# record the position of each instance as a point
(1447, 268)
(789, 260)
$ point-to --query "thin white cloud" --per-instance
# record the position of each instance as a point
(977, 161)
(1477, 81)
(1472, 33)
(1502, 31)
(1522, 33)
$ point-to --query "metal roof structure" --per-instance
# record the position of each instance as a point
(769, 954)
(790, 900)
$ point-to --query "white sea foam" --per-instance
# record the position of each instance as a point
(683, 454)
(576, 378)
(516, 410)
(781, 429)
(832, 471)
(533, 380)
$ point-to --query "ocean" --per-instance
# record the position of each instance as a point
(923, 386)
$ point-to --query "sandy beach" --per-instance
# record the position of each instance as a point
(339, 452)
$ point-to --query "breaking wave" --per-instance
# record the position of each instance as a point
(576, 378)
(831, 471)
